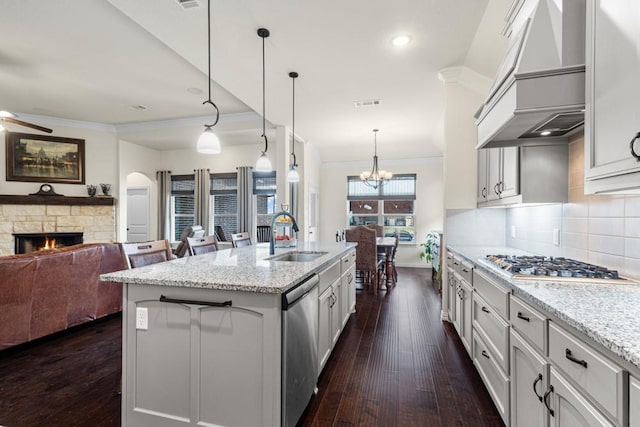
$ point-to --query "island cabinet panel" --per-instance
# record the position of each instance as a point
(634, 401)
(198, 364)
(529, 380)
(347, 297)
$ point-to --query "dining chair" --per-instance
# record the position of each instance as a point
(193, 231)
(219, 232)
(263, 233)
(378, 228)
(202, 245)
(367, 263)
(146, 253)
(239, 240)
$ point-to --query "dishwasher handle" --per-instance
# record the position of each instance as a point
(299, 291)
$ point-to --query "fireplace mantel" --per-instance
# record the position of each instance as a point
(56, 200)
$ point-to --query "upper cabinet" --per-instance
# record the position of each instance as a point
(612, 92)
(527, 174)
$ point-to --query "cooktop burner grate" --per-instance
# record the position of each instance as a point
(550, 267)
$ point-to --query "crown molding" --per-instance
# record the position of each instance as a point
(466, 77)
(57, 121)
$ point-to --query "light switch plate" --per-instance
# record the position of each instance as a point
(513, 231)
(556, 236)
(142, 318)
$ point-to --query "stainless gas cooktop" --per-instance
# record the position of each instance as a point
(551, 268)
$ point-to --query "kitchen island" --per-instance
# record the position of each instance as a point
(202, 336)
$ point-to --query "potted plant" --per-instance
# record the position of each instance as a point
(431, 248)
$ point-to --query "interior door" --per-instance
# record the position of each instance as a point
(137, 214)
(313, 215)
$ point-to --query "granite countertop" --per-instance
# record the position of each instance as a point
(608, 313)
(238, 269)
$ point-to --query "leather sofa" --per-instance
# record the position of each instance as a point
(49, 291)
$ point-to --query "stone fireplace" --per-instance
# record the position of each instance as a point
(94, 218)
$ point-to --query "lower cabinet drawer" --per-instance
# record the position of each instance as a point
(496, 294)
(494, 329)
(494, 379)
(600, 378)
(529, 322)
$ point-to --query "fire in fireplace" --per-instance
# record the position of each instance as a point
(32, 242)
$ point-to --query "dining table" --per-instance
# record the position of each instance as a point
(387, 245)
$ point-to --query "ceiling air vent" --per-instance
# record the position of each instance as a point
(188, 4)
(368, 103)
(556, 125)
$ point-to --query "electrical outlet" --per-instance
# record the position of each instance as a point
(513, 231)
(556, 236)
(142, 318)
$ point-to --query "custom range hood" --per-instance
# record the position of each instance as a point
(538, 94)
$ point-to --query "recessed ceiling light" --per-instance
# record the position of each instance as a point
(195, 90)
(401, 40)
(545, 133)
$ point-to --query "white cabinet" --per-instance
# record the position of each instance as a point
(568, 407)
(325, 301)
(483, 177)
(634, 402)
(527, 174)
(465, 321)
(175, 371)
(348, 294)
(497, 173)
(529, 380)
(612, 117)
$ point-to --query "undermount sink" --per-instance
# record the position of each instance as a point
(298, 256)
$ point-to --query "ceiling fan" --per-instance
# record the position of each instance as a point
(6, 116)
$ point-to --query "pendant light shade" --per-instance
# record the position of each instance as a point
(293, 175)
(376, 177)
(263, 164)
(208, 142)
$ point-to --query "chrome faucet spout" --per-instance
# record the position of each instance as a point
(294, 226)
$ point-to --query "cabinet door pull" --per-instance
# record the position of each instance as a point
(535, 383)
(485, 354)
(484, 192)
(495, 189)
(525, 318)
(485, 309)
(501, 186)
(186, 301)
(544, 399)
(632, 147)
(465, 270)
(568, 355)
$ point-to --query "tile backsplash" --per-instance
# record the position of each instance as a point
(600, 229)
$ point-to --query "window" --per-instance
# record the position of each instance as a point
(391, 205)
(264, 188)
(223, 203)
(182, 204)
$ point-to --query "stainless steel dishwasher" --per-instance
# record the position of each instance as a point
(299, 348)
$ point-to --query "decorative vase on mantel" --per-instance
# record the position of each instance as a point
(106, 189)
(92, 190)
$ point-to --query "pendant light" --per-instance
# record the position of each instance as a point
(263, 164)
(293, 175)
(208, 142)
(376, 178)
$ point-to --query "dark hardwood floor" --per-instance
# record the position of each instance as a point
(396, 364)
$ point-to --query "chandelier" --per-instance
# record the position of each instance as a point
(376, 177)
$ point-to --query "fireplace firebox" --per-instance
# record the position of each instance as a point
(32, 242)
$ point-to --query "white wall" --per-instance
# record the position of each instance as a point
(101, 156)
(146, 161)
(428, 206)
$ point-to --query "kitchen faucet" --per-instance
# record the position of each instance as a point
(294, 225)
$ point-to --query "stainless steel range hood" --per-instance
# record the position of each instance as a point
(538, 94)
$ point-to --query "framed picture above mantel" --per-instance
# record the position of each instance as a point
(44, 158)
